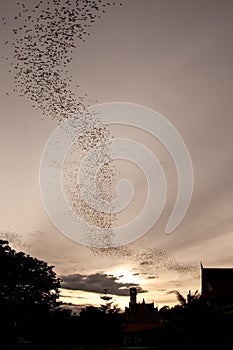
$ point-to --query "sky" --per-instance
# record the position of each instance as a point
(176, 58)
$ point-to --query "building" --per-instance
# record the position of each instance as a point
(142, 327)
(217, 287)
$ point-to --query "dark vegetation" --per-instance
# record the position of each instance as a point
(194, 324)
(32, 317)
(30, 312)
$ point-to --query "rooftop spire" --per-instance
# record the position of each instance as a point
(133, 296)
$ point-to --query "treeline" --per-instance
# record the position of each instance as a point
(195, 324)
(30, 311)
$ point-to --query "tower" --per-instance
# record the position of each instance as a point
(133, 296)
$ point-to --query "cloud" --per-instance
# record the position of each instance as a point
(152, 277)
(38, 233)
(171, 292)
(97, 282)
(71, 296)
(15, 239)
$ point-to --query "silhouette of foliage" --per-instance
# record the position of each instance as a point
(194, 324)
(180, 298)
(26, 280)
(29, 291)
(108, 307)
(191, 298)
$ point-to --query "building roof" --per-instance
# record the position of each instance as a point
(141, 317)
(142, 313)
(213, 278)
(217, 285)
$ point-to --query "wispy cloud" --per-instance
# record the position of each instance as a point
(14, 238)
(171, 292)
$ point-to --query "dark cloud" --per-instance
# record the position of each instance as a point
(71, 296)
(152, 277)
(97, 282)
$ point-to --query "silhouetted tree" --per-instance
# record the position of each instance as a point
(112, 321)
(29, 290)
(26, 280)
(192, 299)
(108, 307)
(108, 301)
(192, 324)
(181, 299)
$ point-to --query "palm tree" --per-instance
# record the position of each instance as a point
(191, 298)
(181, 299)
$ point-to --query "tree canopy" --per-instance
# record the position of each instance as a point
(29, 292)
(26, 280)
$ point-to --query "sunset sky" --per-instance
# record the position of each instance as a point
(175, 57)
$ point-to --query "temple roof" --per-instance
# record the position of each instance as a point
(213, 278)
(217, 285)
